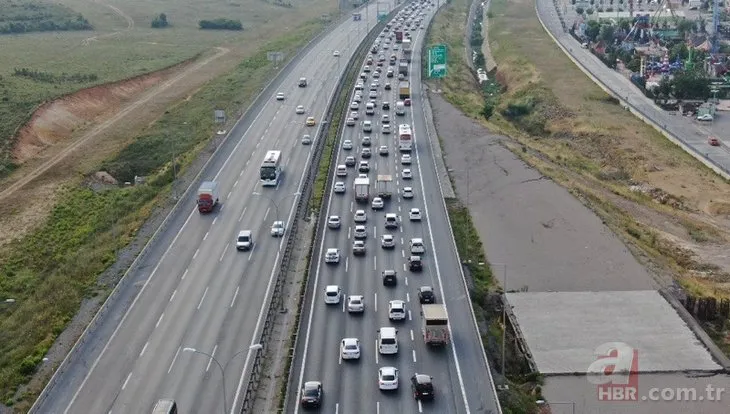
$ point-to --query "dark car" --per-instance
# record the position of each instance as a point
(390, 278)
(426, 295)
(422, 387)
(312, 394)
(386, 105)
(366, 153)
(415, 264)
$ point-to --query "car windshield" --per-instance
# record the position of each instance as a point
(310, 392)
(388, 377)
(351, 347)
(242, 238)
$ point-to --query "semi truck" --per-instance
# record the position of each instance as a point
(434, 324)
(207, 196)
(404, 90)
(384, 186)
(362, 189)
(399, 36)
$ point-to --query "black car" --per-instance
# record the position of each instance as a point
(426, 295)
(390, 278)
(422, 387)
(312, 394)
(366, 153)
(386, 105)
(415, 264)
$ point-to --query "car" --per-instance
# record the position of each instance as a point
(385, 129)
(376, 75)
(300, 109)
(388, 378)
(358, 247)
(360, 216)
(390, 277)
(386, 105)
(396, 47)
(385, 119)
(302, 82)
(405, 159)
(416, 246)
(386, 46)
(415, 263)
(387, 241)
(347, 144)
(406, 174)
(359, 86)
(350, 161)
(355, 304)
(354, 106)
(341, 170)
(244, 241)
(367, 126)
(365, 141)
(414, 214)
(377, 203)
(311, 394)
(396, 310)
(387, 86)
(277, 228)
(366, 153)
(334, 222)
(391, 221)
(332, 294)
(280, 96)
(357, 98)
(713, 141)
(354, 115)
(373, 94)
(383, 150)
(366, 68)
(422, 387)
(350, 122)
(311, 121)
(401, 77)
(336, 53)
(364, 166)
(426, 295)
(350, 348)
(407, 192)
(306, 139)
(363, 76)
(339, 187)
(361, 232)
(407, 102)
(332, 255)
(390, 73)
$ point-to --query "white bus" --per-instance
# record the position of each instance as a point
(405, 138)
(271, 168)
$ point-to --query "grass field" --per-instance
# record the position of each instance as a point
(49, 280)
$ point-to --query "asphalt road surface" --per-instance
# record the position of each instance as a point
(203, 293)
(460, 373)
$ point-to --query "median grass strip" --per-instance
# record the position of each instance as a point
(50, 271)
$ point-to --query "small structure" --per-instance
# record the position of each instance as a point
(220, 116)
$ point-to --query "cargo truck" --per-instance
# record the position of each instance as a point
(434, 324)
(404, 90)
(384, 186)
(399, 36)
(407, 49)
(207, 196)
(403, 68)
(362, 189)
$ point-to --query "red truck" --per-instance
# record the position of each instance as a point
(399, 36)
(207, 196)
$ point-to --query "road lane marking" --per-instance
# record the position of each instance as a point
(212, 354)
(412, 337)
(251, 254)
(375, 232)
(203, 298)
(408, 299)
(344, 299)
(349, 231)
(224, 252)
(196, 253)
(351, 206)
(214, 220)
(267, 213)
(236, 183)
(376, 352)
(401, 240)
(206, 236)
(375, 301)
(187, 269)
(375, 262)
(402, 252)
(126, 381)
(174, 292)
(399, 209)
(173, 360)
(404, 267)
(414, 355)
(406, 280)
(337, 408)
(347, 263)
(235, 295)
(420, 406)
(339, 358)
(144, 348)
(241, 173)
(159, 319)
(229, 195)
(242, 213)
(410, 317)
(377, 407)
(222, 207)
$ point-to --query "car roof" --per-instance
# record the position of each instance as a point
(390, 215)
(312, 385)
(421, 378)
(244, 233)
(355, 297)
(389, 272)
(350, 341)
(335, 217)
(397, 303)
(415, 209)
(426, 289)
(387, 236)
(332, 250)
(359, 211)
(388, 370)
(416, 240)
(360, 226)
(332, 288)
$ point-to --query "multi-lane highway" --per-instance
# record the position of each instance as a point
(460, 373)
(203, 293)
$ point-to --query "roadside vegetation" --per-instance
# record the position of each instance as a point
(51, 270)
(23, 16)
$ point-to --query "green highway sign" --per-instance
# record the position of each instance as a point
(437, 61)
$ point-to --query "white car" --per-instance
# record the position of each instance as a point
(407, 192)
(385, 119)
(388, 378)
(396, 310)
(347, 144)
(387, 241)
(334, 222)
(306, 139)
(342, 170)
(332, 294)
(405, 158)
(373, 94)
(377, 203)
(407, 174)
(336, 53)
(280, 96)
(350, 348)
(350, 122)
(385, 129)
(414, 214)
(360, 216)
(354, 106)
(355, 303)
(300, 109)
(354, 115)
(332, 256)
(361, 232)
(383, 150)
(340, 187)
(357, 98)
(277, 229)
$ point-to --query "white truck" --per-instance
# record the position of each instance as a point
(362, 189)
(384, 186)
(434, 324)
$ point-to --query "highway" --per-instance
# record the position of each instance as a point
(203, 293)
(460, 374)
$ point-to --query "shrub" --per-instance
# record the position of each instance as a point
(220, 24)
(160, 22)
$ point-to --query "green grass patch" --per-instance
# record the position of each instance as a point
(51, 270)
(23, 16)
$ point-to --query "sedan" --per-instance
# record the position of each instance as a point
(332, 294)
(426, 295)
(312, 394)
(365, 141)
(405, 159)
(354, 115)
(334, 222)
(377, 203)
(385, 129)
(361, 232)
(350, 161)
(355, 303)
(386, 104)
(347, 144)
(396, 310)
(414, 214)
(336, 53)
(350, 348)
(364, 167)
(366, 153)
(390, 277)
(385, 119)
(383, 150)
(306, 139)
(387, 241)
(388, 378)
(350, 122)
(280, 96)
(311, 121)
(332, 256)
(407, 192)
(387, 87)
(354, 106)
(407, 174)
(277, 229)
(300, 109)
(360, 216)
(358, 247)
(339, 187)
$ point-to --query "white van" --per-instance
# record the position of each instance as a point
(367, 126)
(417, 246)
(370, 108)
(342, 170)
(387, 341)
(400, 108)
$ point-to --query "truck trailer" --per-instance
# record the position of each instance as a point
(207, 196)
(404, 90)
(434, 324)
(384, 186)
(362, 189)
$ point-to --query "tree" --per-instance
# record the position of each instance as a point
(607, 33)
(593, 28)
(691, 85)
(664, 90)
(579, 10)
(160, 21)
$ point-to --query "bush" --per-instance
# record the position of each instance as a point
(220, 24)
(160, 22)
